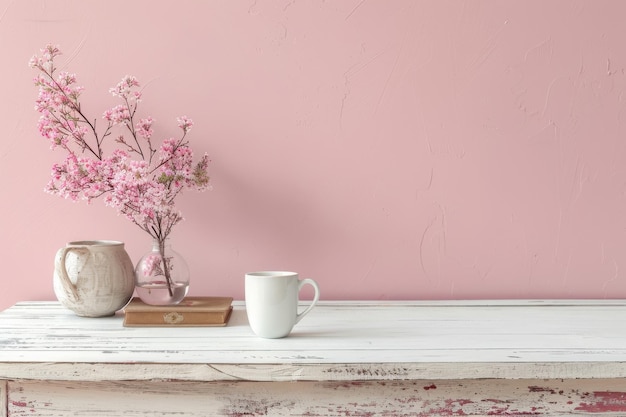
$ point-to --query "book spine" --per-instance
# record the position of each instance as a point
(174, 318)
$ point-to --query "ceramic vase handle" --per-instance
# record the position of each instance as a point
(66, 282)
(316, 297)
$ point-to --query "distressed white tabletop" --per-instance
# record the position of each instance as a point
(361, 340)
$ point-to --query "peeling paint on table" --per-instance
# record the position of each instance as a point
(314, 398)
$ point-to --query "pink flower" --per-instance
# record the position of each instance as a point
(144, 128)
(118, 114)
(185, 123)
(125, 88)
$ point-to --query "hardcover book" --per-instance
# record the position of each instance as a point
(192, 311)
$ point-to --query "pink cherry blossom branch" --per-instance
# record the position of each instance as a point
(144, 189)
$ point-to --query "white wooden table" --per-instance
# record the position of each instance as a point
(557, 358)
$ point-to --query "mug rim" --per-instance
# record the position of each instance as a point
(269, 274)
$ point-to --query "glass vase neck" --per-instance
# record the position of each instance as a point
(156, 244)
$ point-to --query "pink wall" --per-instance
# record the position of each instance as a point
(389, 149)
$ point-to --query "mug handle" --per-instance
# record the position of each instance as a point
(66, 282)
(316, 298)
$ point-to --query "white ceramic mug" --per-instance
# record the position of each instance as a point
(272, 302)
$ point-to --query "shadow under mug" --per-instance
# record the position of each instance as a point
(272, 302)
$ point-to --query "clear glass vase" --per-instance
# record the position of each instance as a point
(161, 275)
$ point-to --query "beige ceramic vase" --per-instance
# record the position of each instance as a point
(93, 278)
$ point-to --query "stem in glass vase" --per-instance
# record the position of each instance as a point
(166, 267)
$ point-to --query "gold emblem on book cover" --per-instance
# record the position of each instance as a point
(173, 318)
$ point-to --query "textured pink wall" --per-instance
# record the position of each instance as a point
(389, 149)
